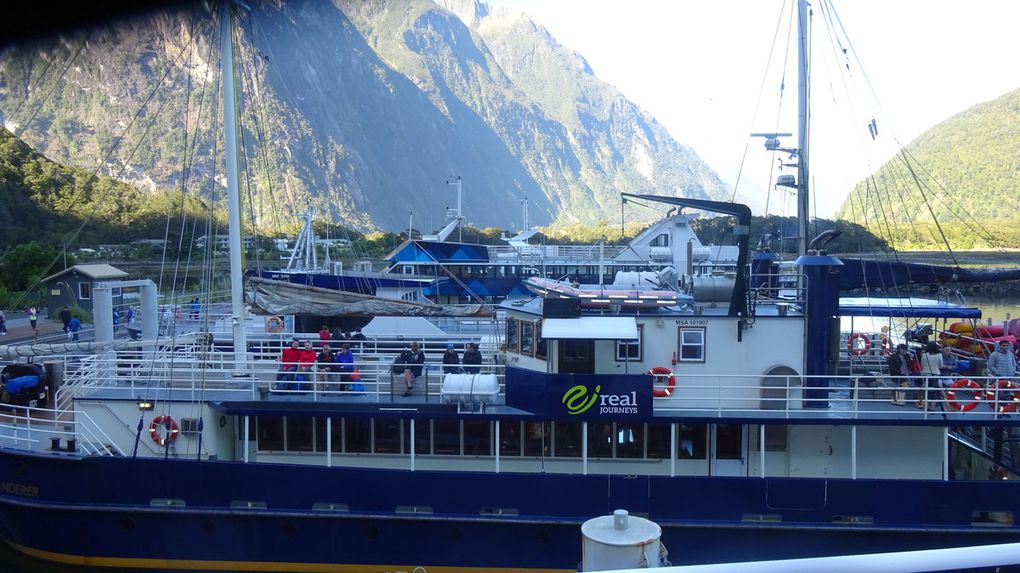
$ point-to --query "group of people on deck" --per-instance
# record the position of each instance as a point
(934, 368)
(412, 360)
(298, 361)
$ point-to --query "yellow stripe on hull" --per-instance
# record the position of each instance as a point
(203, 565)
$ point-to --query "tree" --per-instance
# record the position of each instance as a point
(25, 264)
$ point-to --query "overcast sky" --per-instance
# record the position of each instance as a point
(698, 68)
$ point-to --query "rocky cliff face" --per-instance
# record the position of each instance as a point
(360, 109)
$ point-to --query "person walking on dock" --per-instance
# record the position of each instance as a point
(33, 317)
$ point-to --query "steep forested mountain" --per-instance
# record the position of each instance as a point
(963, 173)
(360, 109)
(43, 201)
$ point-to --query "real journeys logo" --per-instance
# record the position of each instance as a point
(578, 401)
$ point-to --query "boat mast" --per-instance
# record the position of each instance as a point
(237, 311)
(803, 82)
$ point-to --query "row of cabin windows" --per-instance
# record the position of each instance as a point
(525, 337)
(623, 440)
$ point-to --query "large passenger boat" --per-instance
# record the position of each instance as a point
(741, 421)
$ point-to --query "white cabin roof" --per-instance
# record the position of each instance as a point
(591, 328)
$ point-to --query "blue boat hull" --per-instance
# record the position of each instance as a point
(99, 511)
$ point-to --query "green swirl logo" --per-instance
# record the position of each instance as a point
(577, 400)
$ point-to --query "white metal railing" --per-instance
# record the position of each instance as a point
(38, 429)
(134, 374)
(858, 396)
(552, 253)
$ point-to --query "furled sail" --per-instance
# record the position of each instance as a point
(859, 273)
(32, 350)
(278, 297)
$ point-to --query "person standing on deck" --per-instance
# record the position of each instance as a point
(65, 317)
(1001, 365)
(33, 317)
(899, 370)
(473, 358)
(73, 327)
(931, 368)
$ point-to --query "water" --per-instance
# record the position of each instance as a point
(997, 309)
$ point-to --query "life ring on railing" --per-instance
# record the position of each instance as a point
(968, 384)
(658, 373)
(274, 324)
(163, 421)
(858, 349)
(1003, 396)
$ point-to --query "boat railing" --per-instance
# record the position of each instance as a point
(573, 253)
(186, 376)
(54, 430)
(868, 396)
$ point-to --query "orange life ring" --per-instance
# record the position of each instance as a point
(274, 324)
(1003, 396)
(163, 421)
(969, 385)
(658, 373)
(854, 348)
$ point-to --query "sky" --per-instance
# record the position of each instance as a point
(702, 68)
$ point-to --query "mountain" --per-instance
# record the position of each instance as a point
(360, 109)
(963, 173)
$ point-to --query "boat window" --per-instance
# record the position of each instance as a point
(270, 433)
(85, 290)
(510, 438)
(299, 434)
(446, 436)
(728, 442)
(692, 344)
(542, 345)
(567, 439)
(630, 440)
(512, 335)
(422, 436)
(528, 338)
(536, 441)
(357, 436)
(387, 436)
(691, 445)
(658, 441)
(661, 240)
(477, 438)
(776, 437)
(630, 351)
(336, 428)
(600, 440)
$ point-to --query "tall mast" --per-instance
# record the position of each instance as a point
(803, 118)
(237, 312)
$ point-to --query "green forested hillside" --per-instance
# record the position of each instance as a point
(47, 202)
(964, 172)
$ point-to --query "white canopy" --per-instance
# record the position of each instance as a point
(591, 328)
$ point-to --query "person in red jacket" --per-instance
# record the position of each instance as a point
(289, 362)
(324, 333)
(306, 361)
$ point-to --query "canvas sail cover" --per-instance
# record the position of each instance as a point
(858, 273)
(277, 297)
